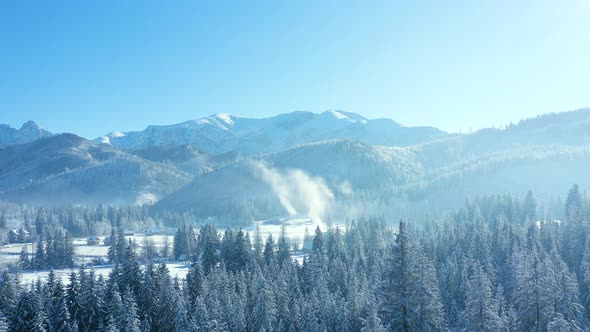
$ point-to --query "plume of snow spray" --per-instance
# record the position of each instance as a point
(298, 192)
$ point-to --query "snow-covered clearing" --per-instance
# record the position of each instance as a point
(89, 254)
(177, 269)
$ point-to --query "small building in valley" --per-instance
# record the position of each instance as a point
(93, 240)
(19, 236)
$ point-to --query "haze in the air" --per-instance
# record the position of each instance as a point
(273, 165)
(92, 68)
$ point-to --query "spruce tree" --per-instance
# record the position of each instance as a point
(283, 247)
(194, 282)
(24, 262)
(265, 311)
(57, 311)
(481, 308)
(129, 319)
(398, 283)
(269, 251)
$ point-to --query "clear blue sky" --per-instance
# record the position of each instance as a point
(91, 67)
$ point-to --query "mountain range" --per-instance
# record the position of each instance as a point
(222, 133)
(29, 132)
(334, 164)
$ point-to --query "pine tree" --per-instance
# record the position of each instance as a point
(72, 298)
(115, 311)
(91, 304)
(398, 283)
(529, 208)
(585, 278)
(533, 293)
(269, 251)
(129, 320)
(200, 317)
(181, 321)
(68, 252)
(560, 324)
(566, 293)
(309, 321)
(265, 311)
(194, 282)
(427, 302)
(168, 297)
(28, 314)
(180, 245)
(112, 252)
(258, 244)
(40, 221)
(23, 261)
(242, 251)
(111, 324)
(318, 242)
(57, 311)
(131, 275)
(372, 323)
(481, 308)
(149, 301)
(574, 205)
(39, 259)
(341, 320)
(210, 246)
(283, 247)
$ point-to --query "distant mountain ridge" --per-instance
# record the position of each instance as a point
(66, 168)
(547, 153)
(222, 133)
(223, 166)
(28, 132)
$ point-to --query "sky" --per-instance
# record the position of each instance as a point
(92, 67)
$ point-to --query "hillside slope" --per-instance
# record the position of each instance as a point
(68, 168)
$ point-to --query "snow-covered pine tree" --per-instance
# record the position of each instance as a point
(533, 295)
(427, 302)
(129, 320)
(372, 323)
(264, 315)
(58, 315)
(398, 285)
(481, 308)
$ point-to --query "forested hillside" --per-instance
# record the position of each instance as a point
(65, 169)
(330, 165)
(493, 265)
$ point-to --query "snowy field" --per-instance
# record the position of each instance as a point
(87, 254)
(9, 254)
(296, 228)
(177, 269)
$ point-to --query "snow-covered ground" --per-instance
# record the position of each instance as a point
(87, 254)
(296, 228)
(9, 254)
(177, 269)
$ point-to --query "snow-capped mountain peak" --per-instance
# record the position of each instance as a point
(348, 116)
(28, 132)
(223, 132)
(30, 125)
(225, 117)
